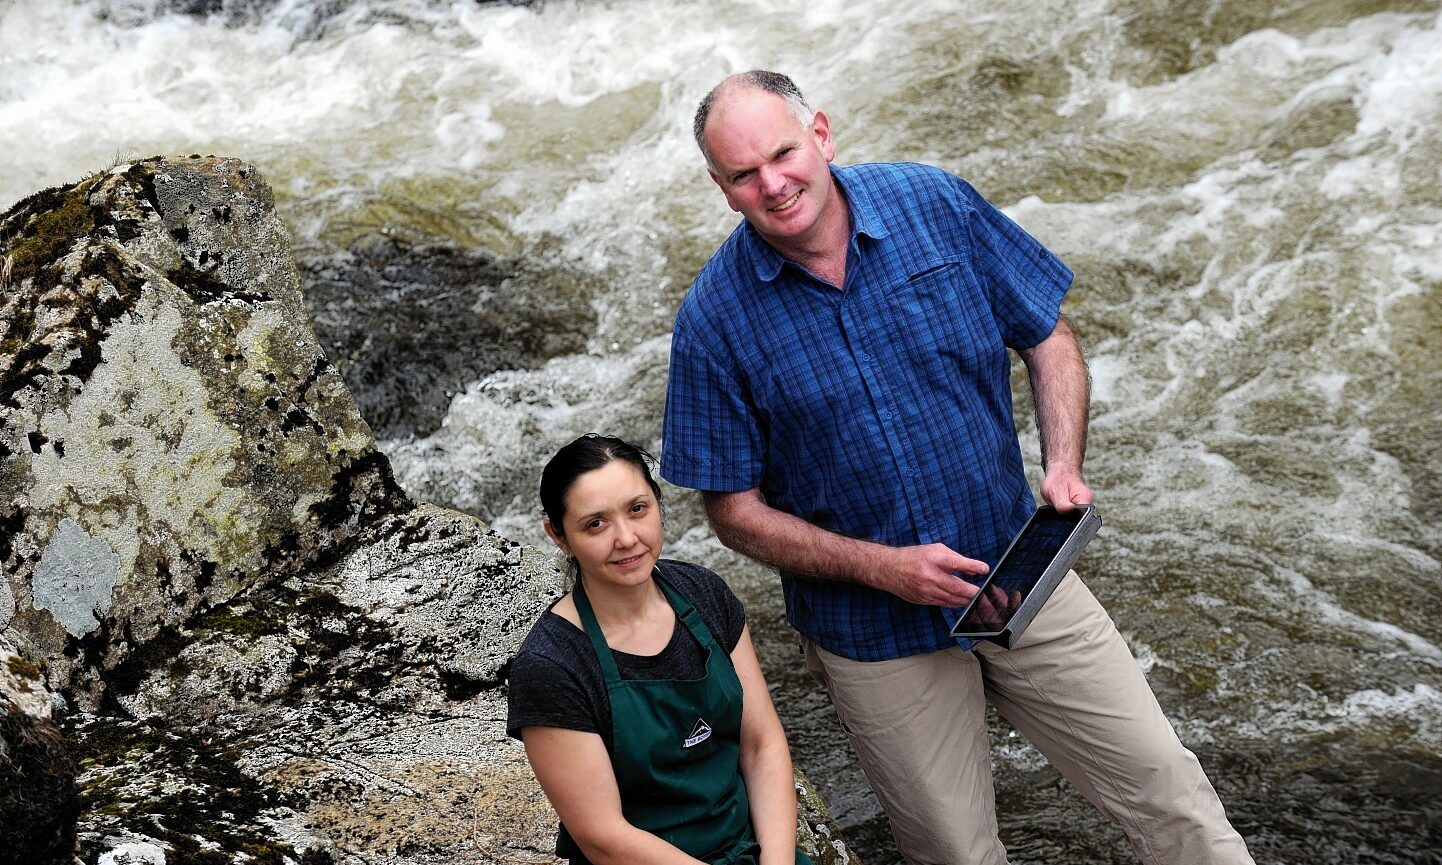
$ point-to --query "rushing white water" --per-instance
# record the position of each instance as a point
(1250, 194)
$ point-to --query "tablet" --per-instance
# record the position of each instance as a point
(1030, 569)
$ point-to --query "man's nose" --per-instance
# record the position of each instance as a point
(772, 180)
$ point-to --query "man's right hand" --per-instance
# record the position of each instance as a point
(926, 575)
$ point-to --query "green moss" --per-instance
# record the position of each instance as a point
(186, 850)
(249, 623)
(23, 668)
(49, 234)
(107, 743)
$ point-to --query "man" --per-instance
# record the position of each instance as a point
(840, 393)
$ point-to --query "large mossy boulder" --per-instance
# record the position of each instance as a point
(171, 435)
(269, 654)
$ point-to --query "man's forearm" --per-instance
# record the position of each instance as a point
(1061, 391)
(745, 523)
(924, 574)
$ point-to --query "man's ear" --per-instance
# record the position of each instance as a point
(821, 128)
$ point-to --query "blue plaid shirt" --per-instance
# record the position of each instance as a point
(882, 411)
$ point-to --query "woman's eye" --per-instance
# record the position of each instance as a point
(593, 524)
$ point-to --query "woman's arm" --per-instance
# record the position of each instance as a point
(765, 761)
(575, 772)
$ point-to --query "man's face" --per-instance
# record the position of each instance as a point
(772, 169)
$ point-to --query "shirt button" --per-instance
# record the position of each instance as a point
(886, 413)
(865, 358)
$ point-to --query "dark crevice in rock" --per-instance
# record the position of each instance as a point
(121, 223)
(205, 287)
(127, 783)
(12, 522)
(363, 491)
(459, 686)
(38, 800)
(159, 651)
(143, 174)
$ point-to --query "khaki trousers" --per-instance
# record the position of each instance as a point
(1071, 686)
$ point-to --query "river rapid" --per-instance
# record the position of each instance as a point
(498, 208)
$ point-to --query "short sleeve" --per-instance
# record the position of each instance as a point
(543, 693)
(711, 440)
(1024, 280)
(730, 612)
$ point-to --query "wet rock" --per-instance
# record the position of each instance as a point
(273, 655)
(816, 833)
(410, 326)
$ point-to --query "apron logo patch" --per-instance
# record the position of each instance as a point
(700, 733)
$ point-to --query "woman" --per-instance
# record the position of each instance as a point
(638, 695)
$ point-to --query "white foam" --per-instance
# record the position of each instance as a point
(503, 427)
(1418, 711)
(1325, 605)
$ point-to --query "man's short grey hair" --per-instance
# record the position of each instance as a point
(757, 79)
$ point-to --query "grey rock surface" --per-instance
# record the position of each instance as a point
(273, 655)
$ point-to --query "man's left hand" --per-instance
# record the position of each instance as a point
(1064, 490)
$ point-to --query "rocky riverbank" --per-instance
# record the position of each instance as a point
(255, 646)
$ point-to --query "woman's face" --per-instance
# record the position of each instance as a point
(612, 525)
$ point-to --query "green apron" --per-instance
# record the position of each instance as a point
(676, 748)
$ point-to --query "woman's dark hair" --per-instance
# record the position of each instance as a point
(586, 454)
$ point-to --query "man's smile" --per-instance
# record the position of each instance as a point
(788, 203)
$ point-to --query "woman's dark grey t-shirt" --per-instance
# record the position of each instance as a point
(556, 681)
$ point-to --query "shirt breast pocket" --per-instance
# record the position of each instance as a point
(941, 313)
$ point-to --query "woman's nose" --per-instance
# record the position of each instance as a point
(625, 536)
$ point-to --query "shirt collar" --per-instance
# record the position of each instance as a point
(864, 220)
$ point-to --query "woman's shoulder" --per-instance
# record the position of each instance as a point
(554, 680)
(691, 578)
(551, 637)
